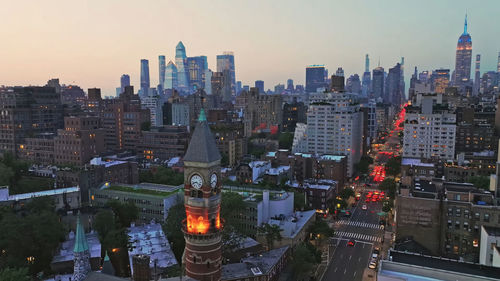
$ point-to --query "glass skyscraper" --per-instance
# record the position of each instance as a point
(378, 82)
(170, 76)
(180, 62)
(196, 67)
(226, 62)
(145, 83)
(463, 58)
(315, 78)
(161, 70)
(124, 81)
(259, 84)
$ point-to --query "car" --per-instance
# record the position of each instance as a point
(367, 200)
(374, 256)
(364, 207)
(376, 250)
(374, 199)
(351, 243)
(372, 265)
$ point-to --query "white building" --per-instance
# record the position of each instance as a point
(429, 130)
(154, 103)
(489, 246)
(334, 126)
(180, 114)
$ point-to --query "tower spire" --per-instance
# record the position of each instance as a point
(81, 253)
(465, 24)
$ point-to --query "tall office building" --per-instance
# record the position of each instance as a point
(208, 81)
(440, 80)
(161, 71)
(378, 81)
(259, 84)
(196, 67)
(171, 76)
(498, 63)
(334, 127)
(145, 83)
(463, 59)
(124, 82)
(353, 84)
(339, 72)
(289, 85)
(226, 62)
(477, 75)
(366, 83)
(429, 131)
(180, 62)
(315, 78)
(394, 93)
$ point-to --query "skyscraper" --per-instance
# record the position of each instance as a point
(498, 64)
(171, 76)
(353, 84)
(463, 58)
(366, 83)
(180, 62)
(289, 85)
(145, 84)
(477, 75)
(393, 94)
(161, 71)
(196, 67)
(339, 72)
(259, 84)
(226, 62)
(202, 197)
(440, 79)
(378, 82)
(124, 82)
(315, 78)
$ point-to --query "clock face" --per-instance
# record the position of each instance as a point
(213, 180)
(196, 181)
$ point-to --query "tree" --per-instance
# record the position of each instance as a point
(231, 204)
(15, 274)
(126, 213)
(363, 164)
(480, 182)
(6, 175)
(33, 234)
(224, 162)
(299, 201)
(173, 230)
(285, 140)
(393, 166)
(346, 193)
(162, 175)
(271, 233)
(320, 229)
(390, 186)
(304, 258)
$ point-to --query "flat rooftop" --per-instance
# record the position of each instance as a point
(253, 265)
(442, 264)
(149, 239)
(51, 192)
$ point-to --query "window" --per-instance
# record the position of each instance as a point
(486, 217)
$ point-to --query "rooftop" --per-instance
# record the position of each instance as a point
(439, 265)
(65, 252)
(415, 162)
(292, 225)
(253, 265)
(492, 231)
(51, 192)
(150, 240)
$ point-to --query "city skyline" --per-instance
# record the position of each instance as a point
(96, 55)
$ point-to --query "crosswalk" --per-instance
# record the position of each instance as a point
(358, 224)
(358, 236)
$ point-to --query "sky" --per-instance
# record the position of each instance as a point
(91, 43)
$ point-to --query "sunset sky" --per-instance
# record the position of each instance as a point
(91, 43)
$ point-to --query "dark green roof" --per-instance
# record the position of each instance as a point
(80, 239)
(202, 147)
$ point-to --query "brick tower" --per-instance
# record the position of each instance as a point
(202, 226)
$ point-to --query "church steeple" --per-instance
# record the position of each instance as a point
(81, 253)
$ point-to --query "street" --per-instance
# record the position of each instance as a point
(349, 262)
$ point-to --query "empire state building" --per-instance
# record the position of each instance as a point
(464, 58)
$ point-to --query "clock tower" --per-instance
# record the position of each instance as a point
(202, 226)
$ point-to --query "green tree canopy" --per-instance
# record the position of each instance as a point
(30, 233)
(321, 228)
(271, 233)
(389, 185)
(173, 230)
(285, 140)
(304, 258)
(126, 213)
(393, 166)
(480, 182)
(15, 274)
(162, 175)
